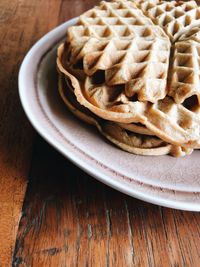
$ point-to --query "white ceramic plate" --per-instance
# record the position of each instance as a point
(167, 181)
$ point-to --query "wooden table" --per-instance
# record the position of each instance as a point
(52, 213)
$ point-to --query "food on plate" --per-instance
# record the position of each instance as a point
(131, 68)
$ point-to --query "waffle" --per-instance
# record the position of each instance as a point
(175, 17)
(192, 35)
(140, 90)
(118, 40)
(168, 120)
(185, 76)
(127, 140)
(131, 127)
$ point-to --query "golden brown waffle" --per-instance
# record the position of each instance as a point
(185, 74)
(116, 62)
(127, 140)
(175, 17)
(132, 127)
(172, 122)
(117, 39)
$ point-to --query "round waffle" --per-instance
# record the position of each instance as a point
(170, 121)
(127, 139)
(134, 76)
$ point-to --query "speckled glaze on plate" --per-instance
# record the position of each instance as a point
(167, 181)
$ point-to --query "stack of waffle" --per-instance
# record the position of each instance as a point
(137, 82)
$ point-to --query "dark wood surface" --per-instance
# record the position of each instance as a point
(66, 217)
(70, 219)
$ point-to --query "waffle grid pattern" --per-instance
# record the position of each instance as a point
(185, 80)
(175, 17)
(125, 59)
(130, 53)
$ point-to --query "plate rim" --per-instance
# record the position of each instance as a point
(81, 163)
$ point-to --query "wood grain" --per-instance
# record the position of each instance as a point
(22, 23)
(15, 143)
(70, 219)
